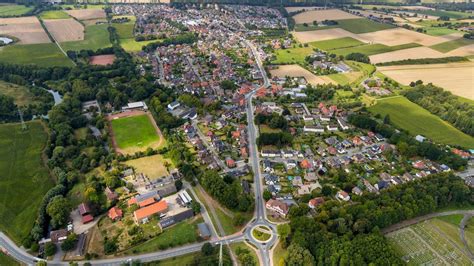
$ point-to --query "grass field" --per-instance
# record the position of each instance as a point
(451, 45)
(152, 166)
(54, 14)
(20, 94)
(7, 260)
(302, 27)
(373, 49)
(14, 10)
(292, 55)
(96, 37)
(42, 54)
(417, 120)
(362, 25)
(279, 254)
(23, 173)
(439, 13)
(135, 131)
(433, 242)
(126, 38)
(439, 31)
(340, 43)
(454, 219)
(469, 232)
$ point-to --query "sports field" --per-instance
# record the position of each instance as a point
(23, 173)
(417, 120)
(44, 54)
(96, 37)
(134, 133)
(432, 242)
(14, 10)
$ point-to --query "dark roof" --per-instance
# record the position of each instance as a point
(84, 209)
(56, 235)
(153, 194)
(167, 222)
(167, 190)
(204, 230)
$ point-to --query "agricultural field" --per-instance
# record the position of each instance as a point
(334, 44)
(362, 25)
(54, 14)
(320, 15)
(400, 36)
(292, 55)
(23, 173)
(44, 55)
(417, 120)
(457, 78)
(86, 14)
(154, 167)
(298, 71)
(14, 10)
(65, 30)
(439, 13)
(373, 49)
(432, 242)
(27, 29)
(324, 35)
(96, 37)
(135, 133)
(452, 45)
(411, 53)
(21, 95)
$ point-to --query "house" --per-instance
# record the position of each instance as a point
(84, 211)
(115, 213)
(245, 186)
(166, 190)
(173, 105)
(306, 189)
(290, 164)
(357, 191)
(297, 181)
(204, 231)
(58, 236)
(313, 203)
(313, 129)
(332, 127)
(135, 106)
(267, 166)
(230, 162)
(271, 179)
(306, 164)
(110, 194)
(142, 215)
(470, 181)
(342, 124)
(342, 195)
(280, 207)
(379, 137)
(171, 220)
(144, 197)
(269, 153)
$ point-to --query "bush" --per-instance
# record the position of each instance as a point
(358, 57)
(50, 249)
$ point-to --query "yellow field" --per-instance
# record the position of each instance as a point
(27, 29)
(152, 166)
(320, 15)
(323, 35)
(398, 36)
(298, 71)
(411, 53)
(65, 30)
(457, 78)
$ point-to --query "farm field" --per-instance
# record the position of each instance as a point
(411, 53)
(45, 55)
(65, 30)
(362, 25)
(86, 14)
(152, 166)
(452, 45)
(336, 43)
(320, 15)
(439, 13)
(292, 55)
(96, 37)
(14, 10)
(373, 49)
(298, 71)
(324, 35)
(27, 29)
(135, 133)
(459, 81)
(417, 120)
(21, 95)
(400, 36)
(54, 14)
(432, 242)
(439, 31)
(22, 173)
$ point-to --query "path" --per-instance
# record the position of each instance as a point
(462, 228)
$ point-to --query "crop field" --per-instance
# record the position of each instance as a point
(411, 53)
(96, 37)
(417, 120)
(340, 43)
(152, 166)
(27, 29)
(432, 242)
(457, 78)
(298, 71)
(324, 35)
(292, 55)
(320, 15)
(65, 30)
(23, 173)
(372, 49)
(44, 54)
(439, 31)
(86, 14)
(362, 25)
(400, 36)
(135, 133)
(14, 10)
(54, 14)
(452, 45)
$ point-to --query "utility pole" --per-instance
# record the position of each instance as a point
(23, 125)
(220, 256)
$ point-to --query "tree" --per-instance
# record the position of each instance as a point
(298, 255)
(178, 184)
(50, 249)
(386, 119)
(207, 249)
(267, 195)
(196, 207)
(59, 209)
(69, 243)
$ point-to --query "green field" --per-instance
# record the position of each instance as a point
(372, 49)
(7, 260)
(135, 131)
(439, 13)
(21, 95)
(96, 37)
(23, 173)
(14, 10)
(417, 120)
(292, 55)
(310, 27)
(54, 14)
(451, 45)
(126, 37)
(362, 25)
(336, 44)
(439, 31)
(42, 54)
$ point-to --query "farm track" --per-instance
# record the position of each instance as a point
(462, 226)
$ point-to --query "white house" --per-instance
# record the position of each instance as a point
(313, 129)
(173, 105)
(342, 195)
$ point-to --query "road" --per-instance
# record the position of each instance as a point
(210, 147)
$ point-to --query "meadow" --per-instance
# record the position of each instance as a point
(339, 43)
(362, 25)
(373, 49)
(96, 37)
(452, 45)
(42, 54)
(152, 166)
(439, 13)
(14, 10)
(416, 120)
(21, 95)
(23, 173)
(126, 37)
(134, 131)
(54, 14)
(292, 55)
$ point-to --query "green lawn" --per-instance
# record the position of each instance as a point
(454, 219)
(451, 45)
(54, 14)
(259, 235)
(14, 10)
(362, 25)
(292, 55)
(372, 49)
(42, 54)
(135, 131)
(416, 120)
(23, 173)
(242, 246)
(7, 260)
(20, 94)
(96, 37)
(336, 43)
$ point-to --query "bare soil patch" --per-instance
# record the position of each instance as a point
(320, 15)
(398, 36)
(85, 14)
(65, 30)
(457, 78)
(298, 71)
(467, 50)
(323, 35)
(27, 29)
(411, 53)
(102, 60)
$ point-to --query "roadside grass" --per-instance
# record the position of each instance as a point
(292, 55)
(372, 49)
(235, 247)
(362, 25)
(469, 233)
(14, 10)
(54, 14)
(23, 173)
(279, 254)
(134, 131)
(7, 260)
(334, 44)
(41, 54)
(416, 120)
(21, 95)
(95, 37)
(451, 45)
(454, 219)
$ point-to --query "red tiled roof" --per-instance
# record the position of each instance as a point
(146, 202)
(87, 218)
(115, 213)
(158, 207)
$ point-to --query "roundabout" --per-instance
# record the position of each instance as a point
(261, 233)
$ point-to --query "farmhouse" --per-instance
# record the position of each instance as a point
(142, 215)
(135, 106)
(115, 213)
(171, 220)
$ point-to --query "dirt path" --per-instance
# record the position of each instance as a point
(462, 227)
